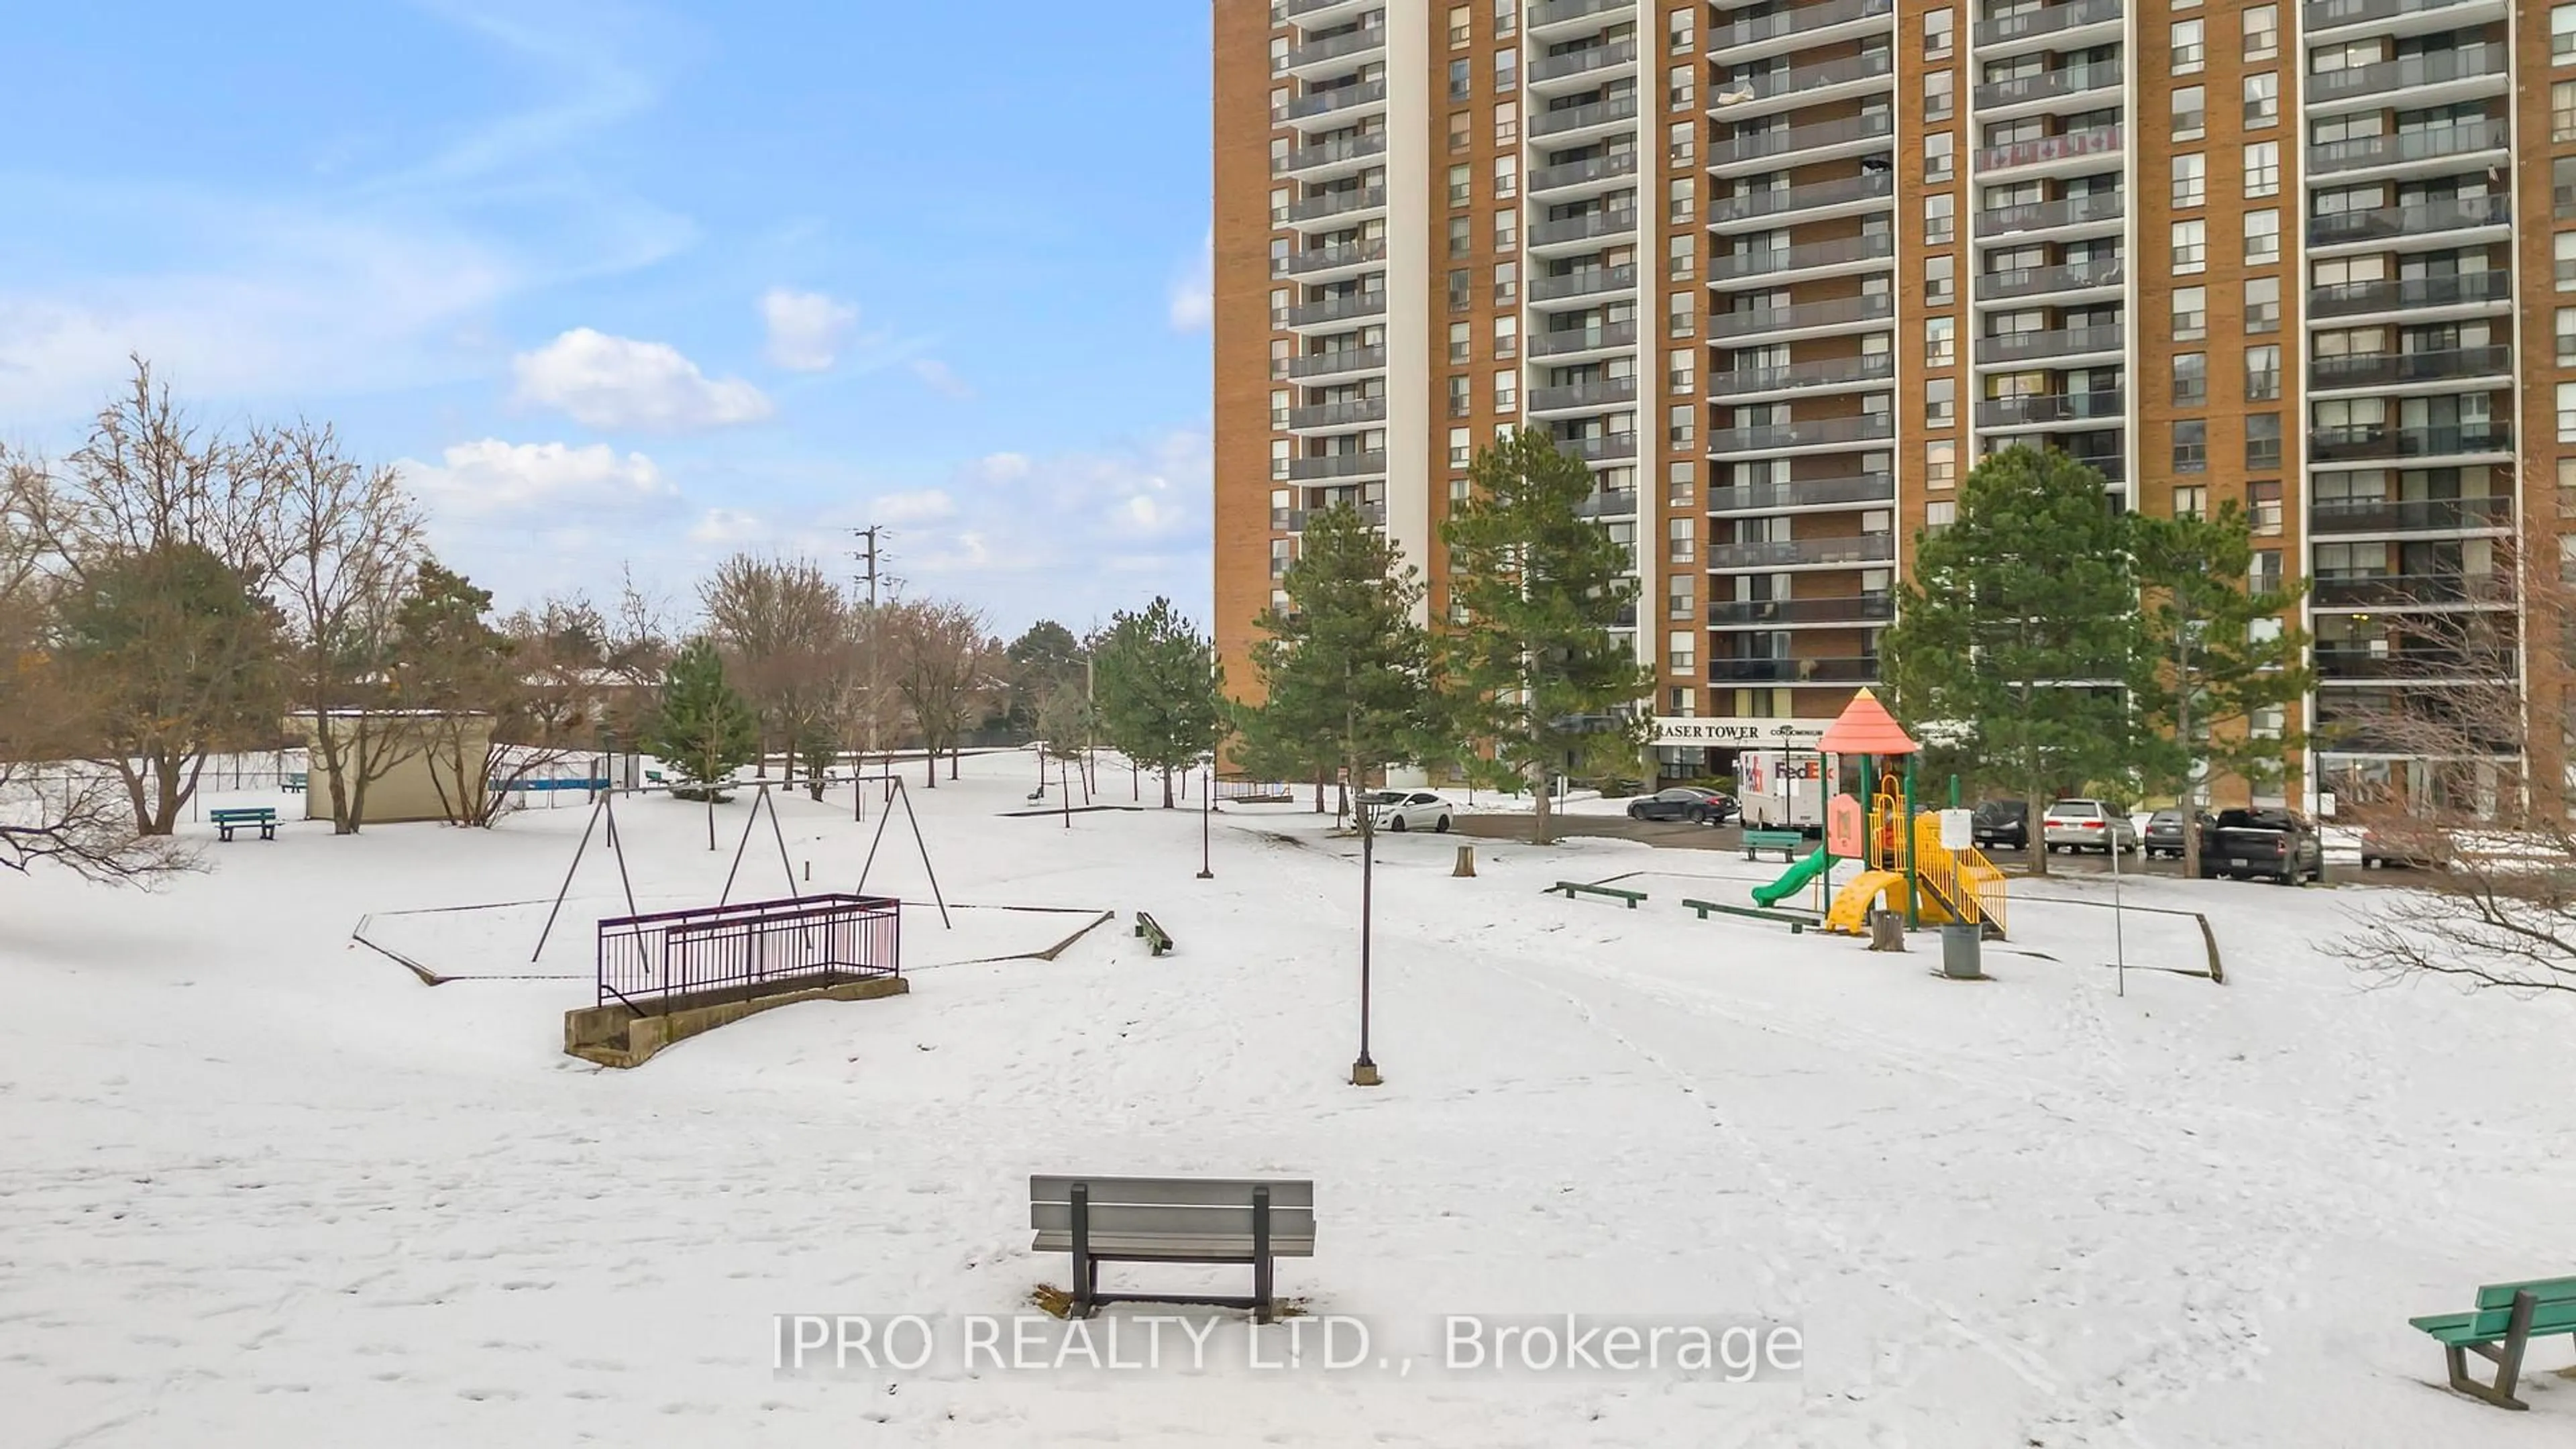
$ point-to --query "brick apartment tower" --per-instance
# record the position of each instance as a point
(1782, 272)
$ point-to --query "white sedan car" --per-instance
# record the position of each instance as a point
(1407, 810)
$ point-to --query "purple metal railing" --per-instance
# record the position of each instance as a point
(648, 962)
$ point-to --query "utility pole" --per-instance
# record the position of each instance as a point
(868, 557)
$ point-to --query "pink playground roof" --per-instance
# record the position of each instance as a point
(1866, 728)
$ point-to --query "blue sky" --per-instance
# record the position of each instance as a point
(651, 282)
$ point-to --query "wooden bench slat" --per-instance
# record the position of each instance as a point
(2545, 1290)
(1160, 1248)
(1176, 1191)
(1165, 1220)
(2489, 1324)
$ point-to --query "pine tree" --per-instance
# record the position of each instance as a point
(2018, 635)
(1532, 667)
(704, 729)
(2221, 656)
(1155, 684)
(1345, 669)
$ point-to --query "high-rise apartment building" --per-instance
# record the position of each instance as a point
(1780, 273)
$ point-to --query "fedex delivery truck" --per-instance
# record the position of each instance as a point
(1781, 789)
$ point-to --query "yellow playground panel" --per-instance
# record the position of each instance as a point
(1951, 885)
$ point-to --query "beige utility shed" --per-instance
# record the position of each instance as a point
(419, 751)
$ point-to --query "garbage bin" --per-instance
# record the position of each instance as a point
(1963, 950)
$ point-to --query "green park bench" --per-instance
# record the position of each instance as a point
(295, 783)
(1157, 940)
(1787, 842)
(1571, 886)
(2508, 1317)
(228, 821)
(1798, 923)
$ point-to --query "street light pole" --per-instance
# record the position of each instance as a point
(1207, 797)
(1364, 1071)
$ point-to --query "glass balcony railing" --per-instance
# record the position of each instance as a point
(1820, 433)
(1583, 282)
(1825, 372)
(2423, 218)
(1787, 552)
(2373, 369)
(1583, 339)
(1858, 670)
(1771, 261)
(2410, 515)
(1833, 312)
(2342, 444)
(2046, 20)
(1847, 609)
(2350, 298)
(1803, 493)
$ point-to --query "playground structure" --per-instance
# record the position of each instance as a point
(1905, 867)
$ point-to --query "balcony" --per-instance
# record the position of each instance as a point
(2044, 281)
(1350, 308)
(2469, 62)
(1336, 98)
(1337, 465)
(2425, 218)
(2047, 20)
(1338, 202)
(2065, 407)
(1845, 252)
(1581, 62)
(2464, 139)
(1340, 362)
(1600, 392)
(1834, 312)
(1801, 141)
(2344, 444)
(1577, 173)
(2337, 665)
(1826, 372)
(1338, 415)
(2412, 515)
(1847, 609)
(1607, 336)
(2066, 146)
(2047, 85)
(1793, 552)
(1839, 432)
(1608, 222)
(2048, 215)
(1608, 503)
(1336, 153)
(1860, 670)
(2355, 298)
(1600, 448)
(2381, 591)
(1334, 259)
(1299, 10)
(1761, 89)
(1549, 14)
(1317, 53)
(1782, 201)
(1565, 120)
(1799, 27)
(2335, 14)
(1294, 520)
(1583, 282)
(1804, 493)
(2064, 342)
(2381, 369)
(2113, 467)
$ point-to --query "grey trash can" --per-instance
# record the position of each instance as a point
(1963, 951)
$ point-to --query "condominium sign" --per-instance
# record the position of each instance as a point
(1729, 732)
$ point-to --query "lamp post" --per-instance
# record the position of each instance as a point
(1207, 798)
(1364, 1071)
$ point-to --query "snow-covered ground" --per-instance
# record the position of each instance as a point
(260, 1187)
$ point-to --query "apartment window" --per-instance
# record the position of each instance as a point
(1681, 257)
(1681, 650)
(2265, 576)
(1680, 314)
(1940, 280)
(1507, 229)
(1680, 484)
(2263, 98)
(2262, 304)
(1507, 70)
(1507, 19)
(1941, 464)
(1507, 390)
(1462, 291)
(1462, 400)
(1678, 371)
(1281, 350)
(1507, 123)
(2262, 169)
(1462, 447)
(2190, 121)
(1940, 34)
(2263, 238)
(2190, 379)
(1279, 307)
(1678, 424)
(1462, 340)
(1677, 143)
(2562, 34)
(1280, 449)
(1507, 337)
(2191, 501)
(1507, 284)
(1680, 602)
(1460, 181)
(2263, 447)
(2262, 32)
(2562, 257)
(1939, 152)
(2263, 373)
(2567, 412)
(1278, 54)
(1462, 130)
(1939, 514)
(2565, 319)
(1940, 220)
(1462, 236)
(1279, 409)
(2562, 188)
(1682, 199)
(1458, 21)
(1680, 86)
(1940, 95)
(1677, 30)
(2190, 313)
(2190, 179)
(1941, 402)
(1940, 342)
(1462, 79)
(1279, 207)
(2263, 497)
(2191, 246)
(2191, 446)
(2187, 55)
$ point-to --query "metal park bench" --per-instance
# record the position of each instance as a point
(1571, 886)
(243, 818)
(2508, 1317)
(1172, 1220)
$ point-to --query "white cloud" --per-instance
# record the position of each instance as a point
(806, 329)
(929, 505)
(728, 528)
(618, 382)
(940, 378)
(487, 477)
(1193, 295)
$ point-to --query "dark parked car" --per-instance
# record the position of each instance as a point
(2380, 852)
(1684, 802)
(2274, 844)
(2001, 825)
(2164, 831)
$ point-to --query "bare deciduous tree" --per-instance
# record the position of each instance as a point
(783, 628)
(945, 667)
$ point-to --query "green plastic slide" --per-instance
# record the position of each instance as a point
(1797, 877)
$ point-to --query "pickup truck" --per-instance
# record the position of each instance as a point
(2275, 844)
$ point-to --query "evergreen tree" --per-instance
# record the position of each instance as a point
(1155, 685)
(1536, 588)
(2018, 635)
(1044, 657)
(462, 677)
(704, 729)
(2221, 656)
(1065, 724)
(1345, 669)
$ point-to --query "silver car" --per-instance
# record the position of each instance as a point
(2078, 825)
